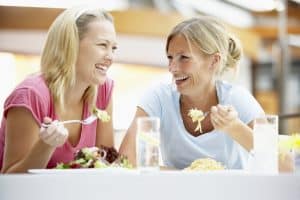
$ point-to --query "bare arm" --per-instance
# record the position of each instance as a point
(225, 118)
(128, 146)
(105, 135)
(242, 133)
(23, 147)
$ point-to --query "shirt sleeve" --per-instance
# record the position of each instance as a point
(105, 93)
(246, 105)
(29, 99)
(150, 102)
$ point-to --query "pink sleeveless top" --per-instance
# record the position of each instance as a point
(34, 95)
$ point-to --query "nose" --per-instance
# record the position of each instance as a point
(108, 58)
(173, 66)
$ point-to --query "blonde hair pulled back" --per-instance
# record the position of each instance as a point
(211, 36)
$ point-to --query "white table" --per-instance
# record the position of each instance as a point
(150, 186)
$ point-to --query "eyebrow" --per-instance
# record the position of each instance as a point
(107, 41)
(181, 52)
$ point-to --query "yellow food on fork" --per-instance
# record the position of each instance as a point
(197, 116)
(101, 114)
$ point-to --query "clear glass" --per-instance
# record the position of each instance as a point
(265, 144)
(296, 154)
(147, 144)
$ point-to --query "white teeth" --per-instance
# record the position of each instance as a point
(101, 67)
(180, 78)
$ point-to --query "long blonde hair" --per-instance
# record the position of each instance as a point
(210, 36)
(61, 50)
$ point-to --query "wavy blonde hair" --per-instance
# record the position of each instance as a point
(210, 36)
(61, 50)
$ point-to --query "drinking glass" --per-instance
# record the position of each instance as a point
(265, 144)
(147, 141)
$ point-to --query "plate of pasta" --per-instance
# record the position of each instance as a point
(209, 165)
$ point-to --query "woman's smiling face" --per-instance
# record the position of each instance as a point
(189, 66)
(96, 50)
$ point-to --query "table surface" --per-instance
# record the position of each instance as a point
(231, 185)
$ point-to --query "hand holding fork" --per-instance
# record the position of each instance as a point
(223, 117)
(53, 133)
(97, 114)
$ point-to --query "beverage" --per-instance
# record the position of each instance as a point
(265, 144)
(265, 138)
(147, 144)
(148, 150)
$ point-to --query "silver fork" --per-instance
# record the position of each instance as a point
(86, 121)
(205, 114)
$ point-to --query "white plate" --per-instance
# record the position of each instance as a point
(226, 171)
(76, 171)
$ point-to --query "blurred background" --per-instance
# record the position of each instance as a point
(268, 29)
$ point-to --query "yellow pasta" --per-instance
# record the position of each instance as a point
(197, 116)
(205, 164)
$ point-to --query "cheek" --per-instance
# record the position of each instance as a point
(92, 53)
(190, 68)
(83, 56)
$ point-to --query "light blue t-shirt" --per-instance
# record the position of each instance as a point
(178, 147)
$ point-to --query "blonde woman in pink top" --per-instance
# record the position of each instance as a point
(77, 54)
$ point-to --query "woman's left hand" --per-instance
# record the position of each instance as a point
(223, 117)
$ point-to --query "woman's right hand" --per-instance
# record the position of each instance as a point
(55, 134)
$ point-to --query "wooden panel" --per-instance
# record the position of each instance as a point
(145, 22)
(151, 22)
(27, 17)
(272, 32)
(250, 40)
(292, 11)
(268, 100)
(131, 21)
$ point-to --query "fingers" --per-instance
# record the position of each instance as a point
(222, 116)
(58, 137)
(55, 135)
(217, 120)
(63, 136)
(47, 120)
(223, 111)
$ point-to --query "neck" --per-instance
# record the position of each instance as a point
(202, 100)
(74, 95)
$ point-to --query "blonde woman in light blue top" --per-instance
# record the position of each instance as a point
(199, 51)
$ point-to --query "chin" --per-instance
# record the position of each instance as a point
(102, 81)
(183, 90)
(99, 81)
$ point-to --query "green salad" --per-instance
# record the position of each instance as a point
(94, 157)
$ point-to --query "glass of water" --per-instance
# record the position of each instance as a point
(147, 141)
(265, 144)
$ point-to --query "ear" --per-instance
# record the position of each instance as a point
(215, 60)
